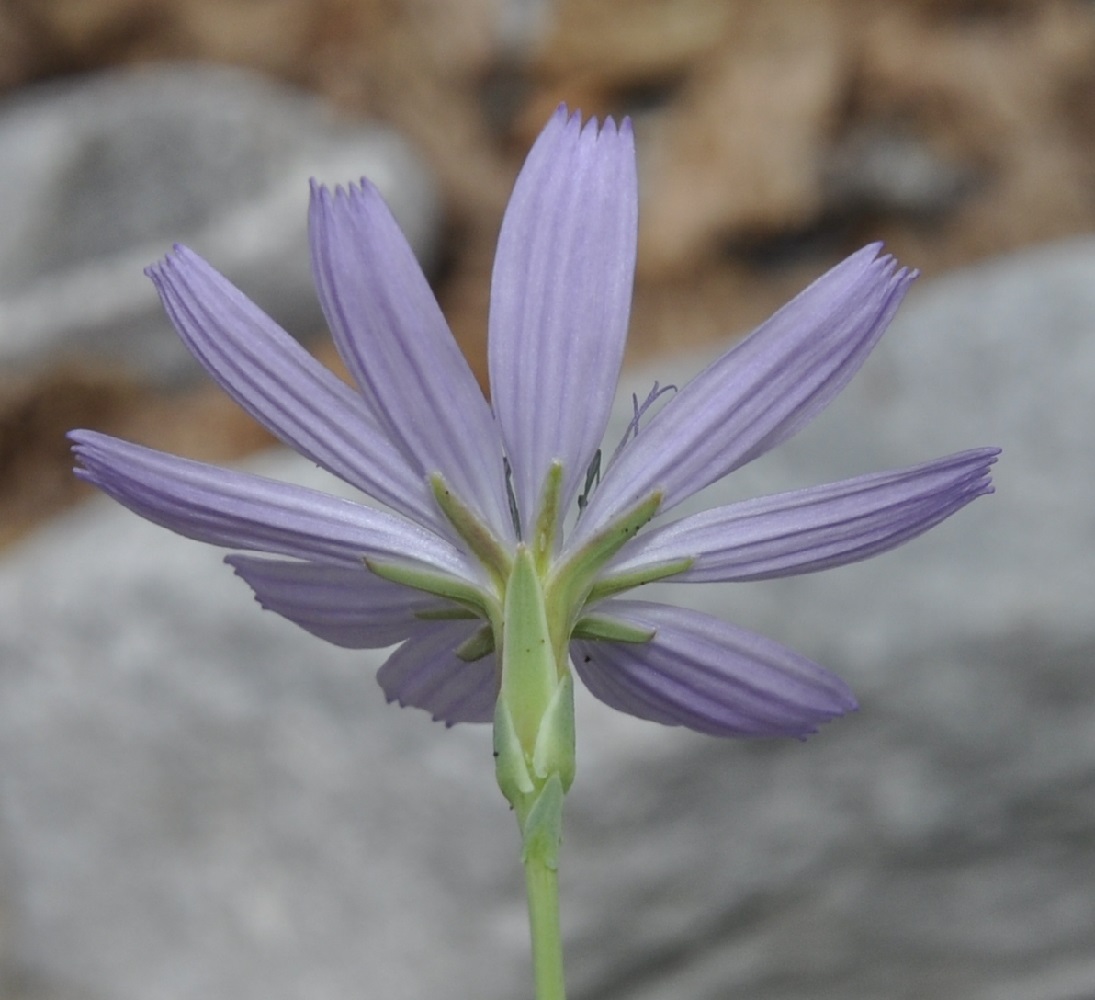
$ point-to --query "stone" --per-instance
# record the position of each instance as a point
(112, 169)
(884, 171)
(198, 799)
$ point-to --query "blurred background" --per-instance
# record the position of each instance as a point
(775, 137)
(185, 811)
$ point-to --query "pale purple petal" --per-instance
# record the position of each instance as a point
(389, 330)
(560, 300)
(816, 528)
(426, 673)
(707, 675)
(346, 605)
(283, 387)
(760, 392)
(239, 510)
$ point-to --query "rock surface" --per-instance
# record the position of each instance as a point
(200, 801)
(113, 169)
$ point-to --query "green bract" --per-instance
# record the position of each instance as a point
(533, 602)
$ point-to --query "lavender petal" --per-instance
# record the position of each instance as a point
(760, 392)
(240, 510)
(283, 387)
(388, 328)
(345, 605)
(560, 300)
(426, 673)
(708, 675)
(817, 528)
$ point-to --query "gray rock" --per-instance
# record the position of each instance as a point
(104, 173)
(199, 800)
(889, 171)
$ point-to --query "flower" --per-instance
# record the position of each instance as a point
(477, 496)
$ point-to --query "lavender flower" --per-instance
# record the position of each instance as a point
(495, 519)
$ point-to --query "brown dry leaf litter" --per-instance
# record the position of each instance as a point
(775, 137)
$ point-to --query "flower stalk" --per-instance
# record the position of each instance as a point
(534, 756)
(541, 859)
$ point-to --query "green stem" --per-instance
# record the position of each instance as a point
(534, 751)
(541, 828)
(542, 882)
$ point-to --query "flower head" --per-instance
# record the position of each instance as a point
(502, 520)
